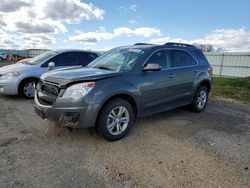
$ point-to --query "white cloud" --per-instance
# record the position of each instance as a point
(106, 48)
(37, 40)
(141, 31)
(226, 39)
(147, 32)
(69, 11)
(90, 38)
(132, 21)
(23, 41)
(2, 21)
(161, 40)
(12, 5)
(133, 7)
(46, 16)
(101, 34)
(39, 17)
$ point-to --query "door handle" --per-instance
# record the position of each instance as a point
(171, 76)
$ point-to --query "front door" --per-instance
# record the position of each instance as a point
(156, 85)
(172, 85)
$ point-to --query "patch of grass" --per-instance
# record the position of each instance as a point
(235, 88)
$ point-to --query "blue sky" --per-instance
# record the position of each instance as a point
(99, 24)
(194, 18)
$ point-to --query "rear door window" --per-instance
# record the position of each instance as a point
(180, 58)
(69, 59)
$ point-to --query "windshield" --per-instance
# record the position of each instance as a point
(38, 59)
(117, 59)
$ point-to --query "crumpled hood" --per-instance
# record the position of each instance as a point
(15, 67)
(66, 76)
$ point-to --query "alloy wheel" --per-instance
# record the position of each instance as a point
(201, 99)
(118, 120)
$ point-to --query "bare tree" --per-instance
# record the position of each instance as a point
(205, 47)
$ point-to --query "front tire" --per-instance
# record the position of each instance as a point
(200, 100)
(26, 89)
(116, 119)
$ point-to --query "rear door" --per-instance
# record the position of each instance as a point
(183, 68)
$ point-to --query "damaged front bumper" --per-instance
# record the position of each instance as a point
(68, 115)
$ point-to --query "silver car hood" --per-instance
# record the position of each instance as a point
(16, 67)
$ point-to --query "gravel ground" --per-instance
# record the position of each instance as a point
(171, 149)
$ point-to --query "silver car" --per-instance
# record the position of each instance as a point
(19, 78)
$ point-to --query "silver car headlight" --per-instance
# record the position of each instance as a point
(78, 91)
(9, 75)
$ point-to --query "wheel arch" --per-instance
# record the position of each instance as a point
(25, 79)
(123, 96)
(205, 83)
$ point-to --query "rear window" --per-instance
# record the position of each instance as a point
(180, 58)
(200, 56)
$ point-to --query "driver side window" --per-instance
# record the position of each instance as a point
(56, 60)
(160, 57)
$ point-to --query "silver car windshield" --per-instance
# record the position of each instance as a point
(117, 59)
(38, 59)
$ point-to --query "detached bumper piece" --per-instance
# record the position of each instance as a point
(39, 112)
(69, 119)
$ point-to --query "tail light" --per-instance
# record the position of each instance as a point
(210, 70)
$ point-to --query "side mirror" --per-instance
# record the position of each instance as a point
(152, 67)
(51, 65)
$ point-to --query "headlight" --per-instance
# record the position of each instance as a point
(78, 90)
(9, 75)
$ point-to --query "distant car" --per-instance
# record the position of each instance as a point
(125, 83)
(18, 79)
(3, 56)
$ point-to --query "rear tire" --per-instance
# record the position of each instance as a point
(26, 88)
(115, 119)
(200, 100)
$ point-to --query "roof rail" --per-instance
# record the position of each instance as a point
(137, 44)
(179, 44)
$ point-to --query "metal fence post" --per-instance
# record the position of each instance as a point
(221, 64)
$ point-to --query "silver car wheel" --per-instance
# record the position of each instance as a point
(202, 99)
(118, 120)
(29, 90)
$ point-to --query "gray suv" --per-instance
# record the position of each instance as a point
(123, 84)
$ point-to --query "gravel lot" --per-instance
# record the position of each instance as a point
(171, 149)
(175, 149)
